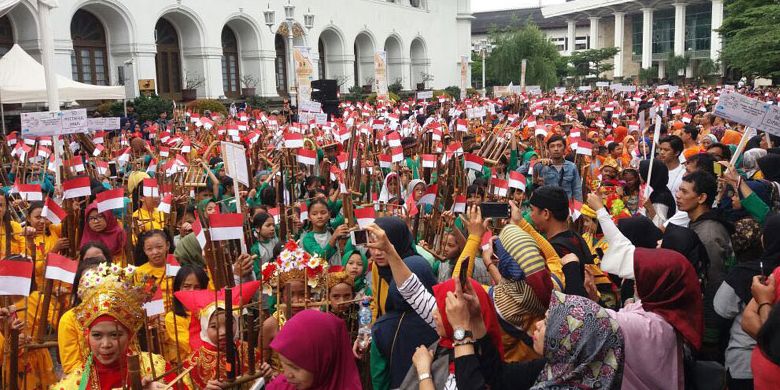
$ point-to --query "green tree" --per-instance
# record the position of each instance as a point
(514, 44)
(752, 37)
(674, 64)
(590, 62)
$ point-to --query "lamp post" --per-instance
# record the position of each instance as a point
(483, 47)
(289, 18)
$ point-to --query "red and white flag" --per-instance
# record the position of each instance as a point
(75, 188)
(98, 150)
(307, 157)
(156, 306)
(110, 200)
(152, 166)
(197, 230)
(44, 152)
(186, 147)
(304, 212)
(172, 266)
(436, 134)
(517, 180)
(430, 195)
(385, 161)
(165, 204)
(365, 216)
(164, 151)
(575, 208)
(76, 163)
(398, 154)
(274, 212)
(676, 110)
(102, 167)
(585, 148)
(686, 118)
(462, 125)
(30, 192)
(150, 188)
(229, 226)
(293, 140)
(474, 162)
(428, 161)
(343, 159)
(500, 187)
(53, 212)
(15, 277)
(459, 205)
(394, 140)
(61, 268)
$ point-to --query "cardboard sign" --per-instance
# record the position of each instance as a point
(109, 123)
(749, 112)
(423, 95)
(54, 122)
(234, 156)
(310, 106)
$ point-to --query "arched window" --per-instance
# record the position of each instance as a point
(89, 61)
(281, 65)
(230, 76)
(167, 60)
(6, 35)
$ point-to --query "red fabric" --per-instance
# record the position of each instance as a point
(113, 237)
(485, 305)
(765, 373)
(110, 376)
(667, 285)
(319, 343)
(620, 133)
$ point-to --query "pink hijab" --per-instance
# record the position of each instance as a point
(319, 343)
(113, 236)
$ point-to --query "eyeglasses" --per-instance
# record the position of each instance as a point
(97, 218)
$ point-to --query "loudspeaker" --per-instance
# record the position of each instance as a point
(324, 90)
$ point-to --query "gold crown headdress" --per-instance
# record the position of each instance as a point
(293, 264)
(114, 291)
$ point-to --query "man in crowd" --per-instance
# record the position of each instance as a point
(556, 171)
(669, 150)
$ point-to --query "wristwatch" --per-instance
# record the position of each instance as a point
(461, 334)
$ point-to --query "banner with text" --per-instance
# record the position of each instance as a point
(749, 112)
(303, 73)
(54, 122)
(380, 74)
(464, 73)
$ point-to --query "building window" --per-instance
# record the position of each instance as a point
(230, 76)
(560, 43)
(581, 43)
(663, 32)
(167, 60)
(415, 3)
(636, 35)
(698, 21)
(89, 60)
(281, 65)
(6, 35)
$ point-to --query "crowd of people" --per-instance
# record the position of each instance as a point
(566, 240)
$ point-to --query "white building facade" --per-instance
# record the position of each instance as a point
(111, 42)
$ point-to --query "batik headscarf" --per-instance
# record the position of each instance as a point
(583, 346)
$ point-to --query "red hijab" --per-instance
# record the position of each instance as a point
(765, 371)
(319, 343)
(113, 236)
(485, 305)
(667, 285)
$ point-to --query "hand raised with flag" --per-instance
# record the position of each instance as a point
(594, 201)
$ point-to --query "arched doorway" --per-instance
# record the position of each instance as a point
(230, 73)
(321, 66)
(420, 62)
(6, 35)
(89, 60)
(364, 59)
(282, 61)
(167, 60)
(394, 60)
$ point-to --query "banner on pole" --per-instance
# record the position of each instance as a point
(303, 73)
(464, 72)
(749, 112)
(380, 74)
(46, 123)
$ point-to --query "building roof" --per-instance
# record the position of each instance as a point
(484, 22)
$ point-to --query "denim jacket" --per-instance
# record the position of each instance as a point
(570, 182)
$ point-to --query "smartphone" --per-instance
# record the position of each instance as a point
(495, 210)
(463, 276)
(112, 169)
(718, 168)
(359, 237)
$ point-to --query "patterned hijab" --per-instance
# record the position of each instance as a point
(583, 346)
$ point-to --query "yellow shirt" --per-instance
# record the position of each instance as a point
(178, 329)
(35, 365)
(69, 337)
(44, 243)
(17, 243)
(149, 220)
(164, 283)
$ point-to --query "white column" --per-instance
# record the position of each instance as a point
(679, 29)
(618, 65)
(716, 42)
(570, 34)
(661, 69)
(594, 32)
(647, 38)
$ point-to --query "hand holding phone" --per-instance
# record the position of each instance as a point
(463, 276)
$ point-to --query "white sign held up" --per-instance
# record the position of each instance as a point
(54, 122)
(749, 112)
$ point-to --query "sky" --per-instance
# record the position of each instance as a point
(492, 5)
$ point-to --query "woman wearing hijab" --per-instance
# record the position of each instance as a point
(750, 163)
(315, 357)
(734, 294)
(103, 227)
(398, 330)
(686, 242)
(662, 200)
(356, 265)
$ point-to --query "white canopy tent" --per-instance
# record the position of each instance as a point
(22, 80)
